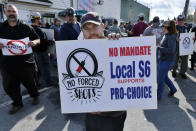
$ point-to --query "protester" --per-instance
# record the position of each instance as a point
(115, 28)
(122, 27)
(47, 26)
(41, 53)
(155, 29)
(128, 28)
(105, 26)
(139, 27)
(167, 52)
(193, 56)
(70, 30)
(21, 68)
(181, 28)
(92, 28)
(56, 27)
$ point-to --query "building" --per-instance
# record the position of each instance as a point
(48, 8)
(130, 10)
(106, 8)
(125, 10)
(119, 9)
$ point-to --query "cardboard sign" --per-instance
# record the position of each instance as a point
(107, 75)
(49, 33)
(186, 43)
(16, 47)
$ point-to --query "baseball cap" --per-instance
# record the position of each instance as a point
(141, 15)
(91, 17)
(35, 15)
(70, 11)
(180, 18)
(156, 19)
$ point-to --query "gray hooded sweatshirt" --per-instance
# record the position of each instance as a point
(155, 29)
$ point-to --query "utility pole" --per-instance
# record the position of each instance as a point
(185, 12)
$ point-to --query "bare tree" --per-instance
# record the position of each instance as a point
(185, 12)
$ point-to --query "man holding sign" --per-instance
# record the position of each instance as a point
(100, 121)
(18, 65)
(181, 28)
(103, 78)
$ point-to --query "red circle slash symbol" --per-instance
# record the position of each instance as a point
(22, 51)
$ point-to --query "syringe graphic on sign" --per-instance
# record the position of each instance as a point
(82, 81)
(78, 71)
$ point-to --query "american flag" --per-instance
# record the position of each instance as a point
(87, 5)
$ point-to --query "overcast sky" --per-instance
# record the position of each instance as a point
(167, 8)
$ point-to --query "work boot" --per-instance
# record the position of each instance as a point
(35, 100)
(183, 76)
(15, 109)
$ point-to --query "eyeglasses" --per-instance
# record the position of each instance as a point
(9, 11)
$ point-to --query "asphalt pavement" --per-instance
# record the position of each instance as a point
(173, 114)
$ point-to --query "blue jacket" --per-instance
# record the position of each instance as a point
(67, 32)
(168, 48)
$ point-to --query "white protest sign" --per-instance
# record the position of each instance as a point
(107, 75)
(186, 44)
(16, 47)
(49, 33)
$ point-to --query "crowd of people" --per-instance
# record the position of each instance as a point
(33, 70)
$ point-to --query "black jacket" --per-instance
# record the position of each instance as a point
(20, 31)
(44, 43)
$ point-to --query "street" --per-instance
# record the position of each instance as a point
(110, 54)
(173, 114)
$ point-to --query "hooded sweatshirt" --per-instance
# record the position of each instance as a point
(155, 29)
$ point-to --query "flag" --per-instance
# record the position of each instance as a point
(88, 5)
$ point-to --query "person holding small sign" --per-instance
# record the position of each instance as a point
(19, 67)
(181, 28)
(93, 28)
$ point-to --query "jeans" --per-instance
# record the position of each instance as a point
(43, 63)
(163, 69)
